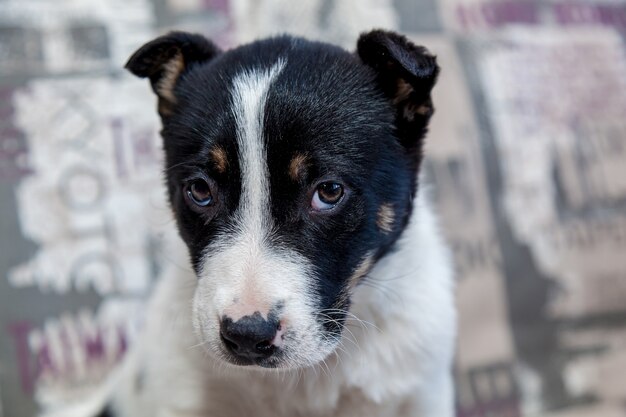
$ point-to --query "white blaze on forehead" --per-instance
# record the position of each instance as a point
(241, 263)
(249, 96)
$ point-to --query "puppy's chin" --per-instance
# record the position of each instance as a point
(281, 362)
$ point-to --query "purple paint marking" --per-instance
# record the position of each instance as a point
(67, 349)
(500, 13)
(94, 347)
(221, 5)
(33, 365)
(143, 149)
(565, 13)
(20, 331)
(497, 13)
(45, 364)
(123, 343)
(612, 15)
(118, 146)
(13, 150)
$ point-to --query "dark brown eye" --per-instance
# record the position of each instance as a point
(199, 193)
(326, 196)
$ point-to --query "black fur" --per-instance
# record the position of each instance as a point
(107, 412)
(340, 109)
(395, 59)
(150, 60)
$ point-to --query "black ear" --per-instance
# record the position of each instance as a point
(165, 59)
(406, 73)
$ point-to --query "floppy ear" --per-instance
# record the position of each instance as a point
(165, 59)
(406, 74)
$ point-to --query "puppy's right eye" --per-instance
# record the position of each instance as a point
(327, 196)
(198, 193)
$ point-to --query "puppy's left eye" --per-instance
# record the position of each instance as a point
(199, 193)
(326, 196)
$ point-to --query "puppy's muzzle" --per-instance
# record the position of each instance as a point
(251, 337)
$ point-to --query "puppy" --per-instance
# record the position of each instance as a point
(318, 283)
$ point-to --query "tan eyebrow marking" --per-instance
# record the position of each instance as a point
(385, 218)
(220, 160)
(361, 270)
(297, 165)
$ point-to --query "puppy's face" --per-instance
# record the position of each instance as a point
(291, 167)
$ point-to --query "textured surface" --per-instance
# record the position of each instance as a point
(527, 156)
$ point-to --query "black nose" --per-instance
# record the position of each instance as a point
(250, 337)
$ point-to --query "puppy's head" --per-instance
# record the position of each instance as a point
(291, 168)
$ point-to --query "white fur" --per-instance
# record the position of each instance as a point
(249, 93)
(397, 362)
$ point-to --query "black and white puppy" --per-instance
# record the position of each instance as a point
(319, 284)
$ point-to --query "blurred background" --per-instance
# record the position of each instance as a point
(526, 157)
